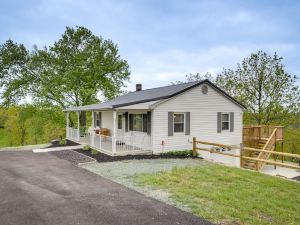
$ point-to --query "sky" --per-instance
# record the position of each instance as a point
(167, 39)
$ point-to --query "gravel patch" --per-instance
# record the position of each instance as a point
(123, 172)
(73, 157)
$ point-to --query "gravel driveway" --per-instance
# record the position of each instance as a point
(41, 189)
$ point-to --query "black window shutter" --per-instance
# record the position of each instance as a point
(149, 123)
(145, 121)
(126, 121)
(95, 119)
(187, 123)
(100, 119)
(231, 121)
(170, 124)
(219, 122)
(130, 121)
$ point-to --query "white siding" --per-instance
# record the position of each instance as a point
(107, 120)
(203, 110)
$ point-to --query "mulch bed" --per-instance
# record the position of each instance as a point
(55, 144)
(297, 178)
(72, 156)
(101, 157)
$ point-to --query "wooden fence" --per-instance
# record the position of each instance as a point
(242, 151)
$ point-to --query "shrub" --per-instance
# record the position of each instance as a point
(94, 152)
(63, 142)
(86, 148)
(181, 154)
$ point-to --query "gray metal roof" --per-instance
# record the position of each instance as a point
(146, 96)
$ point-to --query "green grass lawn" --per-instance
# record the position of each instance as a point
(228, 195)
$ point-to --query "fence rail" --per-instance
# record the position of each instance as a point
(243, 157)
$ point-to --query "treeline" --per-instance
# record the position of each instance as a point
(30, 124)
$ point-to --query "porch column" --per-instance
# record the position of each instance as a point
(93, 132)
(114, 132)
(78, 121)
(67, 125)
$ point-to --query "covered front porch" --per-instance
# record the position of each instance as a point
(111, 131)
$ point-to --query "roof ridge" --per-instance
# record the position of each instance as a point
(167, 86)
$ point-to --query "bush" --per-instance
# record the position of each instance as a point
(181, 154)
(63, 142)
(86, 148)
(94, 152)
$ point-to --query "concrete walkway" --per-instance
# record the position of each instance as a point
(39, 188)
(41, 150)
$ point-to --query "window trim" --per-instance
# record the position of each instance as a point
(225, 113)
(178, 132)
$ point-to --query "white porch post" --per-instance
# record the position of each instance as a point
(93, 133)
(114, 132)
(67, 125)
(78, 121)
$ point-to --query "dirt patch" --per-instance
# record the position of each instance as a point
(72, 156)
(101, 157)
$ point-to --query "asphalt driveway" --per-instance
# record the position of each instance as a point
(39, 188)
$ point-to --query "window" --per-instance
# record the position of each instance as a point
(97, 118)
(120, 122)
(178, 122)
(225, 121)
(138, 122)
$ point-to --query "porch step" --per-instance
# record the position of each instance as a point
(40, 150)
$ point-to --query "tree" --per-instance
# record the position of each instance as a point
(261, 83)
(72, 72)
(190, 77)
(14, 60)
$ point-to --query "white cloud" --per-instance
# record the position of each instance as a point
(163, 68)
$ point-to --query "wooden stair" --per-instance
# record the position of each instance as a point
(265, 144)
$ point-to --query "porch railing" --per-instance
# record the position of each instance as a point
(123, 144)
(133, 143)
(72, 133)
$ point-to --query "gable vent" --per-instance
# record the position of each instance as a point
(204, 89)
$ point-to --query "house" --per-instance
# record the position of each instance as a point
(161, 119)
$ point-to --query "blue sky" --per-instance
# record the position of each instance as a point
(165, 40)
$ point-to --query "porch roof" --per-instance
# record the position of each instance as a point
(148, 95)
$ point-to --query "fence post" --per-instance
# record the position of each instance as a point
(194, 147)
(241, 154)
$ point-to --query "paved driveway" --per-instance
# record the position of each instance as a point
(39, 188)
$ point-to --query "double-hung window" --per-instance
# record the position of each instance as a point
(178, 122)
(225, 121)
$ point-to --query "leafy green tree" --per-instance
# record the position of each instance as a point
(74, 71)
(14, 59)
(262, 84)
(190, 77)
